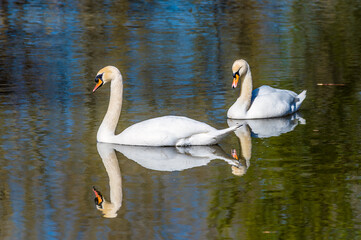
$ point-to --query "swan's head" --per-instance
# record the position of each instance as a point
(238, 169)
(107, 208)
(239, 68)
(105, 75)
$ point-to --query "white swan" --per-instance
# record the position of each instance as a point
(260, 128)
(263, 102)
(110, 161)
(244, 135)
(154, 158)
(161, 131)
(271, 127)
(175, 158)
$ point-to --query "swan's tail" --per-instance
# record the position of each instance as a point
(219, 134)
(299, 99)
(207, 138)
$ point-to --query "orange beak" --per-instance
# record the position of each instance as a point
(235, 81)
(98, 85)
(234, 154)
(98, 197)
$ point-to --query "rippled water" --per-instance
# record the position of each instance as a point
(297, 178)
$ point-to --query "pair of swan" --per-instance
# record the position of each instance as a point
(182, 158)
(264, 102)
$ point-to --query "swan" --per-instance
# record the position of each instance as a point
(260, 128)
(153, 158)
(263, 102)
(168, 159)
(160, 131)
(110, 208)
(244, 135)
(270, 127)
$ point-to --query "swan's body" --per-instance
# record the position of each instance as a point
(265, 128)
(161, 131)
(263, 102)
(174, 158)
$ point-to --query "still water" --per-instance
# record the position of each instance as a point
(296, 178)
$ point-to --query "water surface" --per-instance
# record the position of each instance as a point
(299, 182)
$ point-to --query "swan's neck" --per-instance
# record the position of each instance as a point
(246, 144)
(246, 90)
(111, 164)
(107, 128)
(115, 180)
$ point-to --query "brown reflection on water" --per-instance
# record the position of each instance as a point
(176, 59)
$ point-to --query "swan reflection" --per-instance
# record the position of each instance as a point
(109, 208)
(153, 158)
(261, 128)
(174, 158)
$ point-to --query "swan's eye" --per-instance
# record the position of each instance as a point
(98, 202)
(235, 74)
(99, 77)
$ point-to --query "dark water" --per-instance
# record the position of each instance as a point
(298, 181)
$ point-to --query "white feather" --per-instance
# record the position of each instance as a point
(263, 102)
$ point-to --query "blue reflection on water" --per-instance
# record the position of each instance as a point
(175, 57)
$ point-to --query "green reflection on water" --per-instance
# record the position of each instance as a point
(176, 59)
